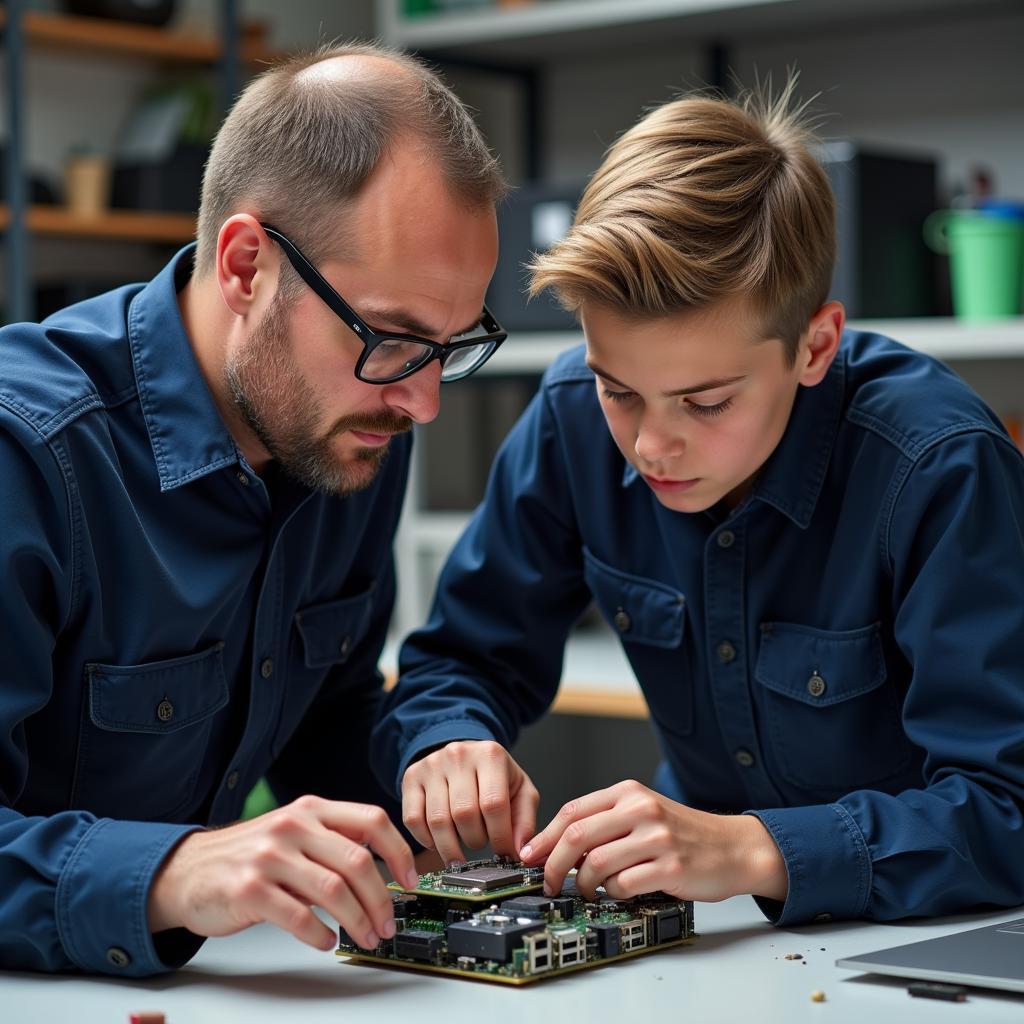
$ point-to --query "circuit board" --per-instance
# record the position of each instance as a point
(520, 937)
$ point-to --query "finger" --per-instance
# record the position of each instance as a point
(370, 825)
(525, 800)
(541, 845)
(607, 860)
(584, 836)
(443, 836)
(639, 879)
(362, 894)
(414, 812)
(495, 801)
(464, 806)
(292, 915)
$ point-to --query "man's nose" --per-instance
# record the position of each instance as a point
(418, 396)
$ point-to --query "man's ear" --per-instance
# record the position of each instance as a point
(820, 343)
(247, 264)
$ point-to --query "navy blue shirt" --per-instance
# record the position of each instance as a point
(842, 654)
(172, 630)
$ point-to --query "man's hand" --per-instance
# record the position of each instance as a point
(312, 852)
(632, 840)
(471, 791)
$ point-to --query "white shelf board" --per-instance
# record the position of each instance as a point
(553, 28)
(942, 337)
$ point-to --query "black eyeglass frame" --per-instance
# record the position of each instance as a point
(370, 338)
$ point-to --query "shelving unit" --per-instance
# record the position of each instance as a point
(46, 32)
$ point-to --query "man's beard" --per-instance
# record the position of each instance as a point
(282, 411)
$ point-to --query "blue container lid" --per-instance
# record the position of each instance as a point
(1009, 209)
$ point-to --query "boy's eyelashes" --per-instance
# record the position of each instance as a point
(693, 407)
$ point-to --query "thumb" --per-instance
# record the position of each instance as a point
(525, 799)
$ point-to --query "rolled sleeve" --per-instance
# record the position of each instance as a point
(827, 864)
(102, 897)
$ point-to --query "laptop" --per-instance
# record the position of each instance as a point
(990, 957)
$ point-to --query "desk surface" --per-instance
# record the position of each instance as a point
(735, 972)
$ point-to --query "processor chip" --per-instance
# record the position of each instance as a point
(486, 879)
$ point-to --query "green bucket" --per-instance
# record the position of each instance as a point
(986, 260)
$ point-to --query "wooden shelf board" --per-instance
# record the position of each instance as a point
(123, 225)
(68, 32)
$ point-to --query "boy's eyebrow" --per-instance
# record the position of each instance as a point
(708, 385)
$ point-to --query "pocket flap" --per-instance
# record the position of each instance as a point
(820, 667)
(158, 696)
(331, 631)
(639, 610)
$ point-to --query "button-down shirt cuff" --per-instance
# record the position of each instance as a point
(827, 863)
(438, 735)
(103, 894)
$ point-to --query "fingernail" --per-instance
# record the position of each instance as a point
(548, 891)
(412, 880)
(389, 930)
(371, 940)
(524, 853)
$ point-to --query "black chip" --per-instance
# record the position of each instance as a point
(535, 905)
(486, 879)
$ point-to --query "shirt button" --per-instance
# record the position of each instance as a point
(232, 780)
(118, 957)
(726, 539)
(243, 478)
(744, 758)
(622, 621)
(267, 668)
(823, 918)
(345, 646)
(816, 686)
(726, 651)
(165, 710)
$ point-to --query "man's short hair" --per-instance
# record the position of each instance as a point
(702, 200)
(298, 145)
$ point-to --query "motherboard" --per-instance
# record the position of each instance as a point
(487, 920)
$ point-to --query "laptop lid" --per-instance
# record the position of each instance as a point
(990, 957)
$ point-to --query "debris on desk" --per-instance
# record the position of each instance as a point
(146, 1017)
(793, 956)
(817, 996)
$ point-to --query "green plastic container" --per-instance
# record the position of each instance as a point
(986, 260)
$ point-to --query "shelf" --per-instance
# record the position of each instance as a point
(552, 28)
(942, 337)
(114, 225)
(66, 32)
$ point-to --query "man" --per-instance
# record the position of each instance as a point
(808, 540)
(199, 484)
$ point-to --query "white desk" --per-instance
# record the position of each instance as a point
(735, 973)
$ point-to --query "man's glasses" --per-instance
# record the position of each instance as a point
(390, 357)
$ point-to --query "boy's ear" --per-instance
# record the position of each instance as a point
(820, 343)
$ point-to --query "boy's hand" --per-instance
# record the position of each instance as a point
(469, 791)
(311, 852)
(632, 840)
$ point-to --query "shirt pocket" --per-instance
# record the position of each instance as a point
(833, 723)
(649, 619)
(331, 631)
(328, 636)
(145, 733)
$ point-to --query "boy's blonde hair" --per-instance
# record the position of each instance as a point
(704, 199)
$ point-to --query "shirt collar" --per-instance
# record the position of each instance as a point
(186, 432)
(791, 479)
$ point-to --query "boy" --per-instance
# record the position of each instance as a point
(808, 539)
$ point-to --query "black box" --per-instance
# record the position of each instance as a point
(883, 267)
(172, 184)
